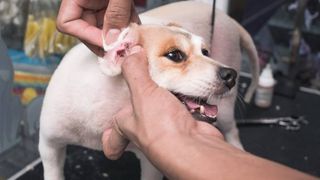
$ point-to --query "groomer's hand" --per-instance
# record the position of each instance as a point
(175, 143)
(154, 113)
(87, 20)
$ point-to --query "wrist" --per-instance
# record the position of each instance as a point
(175, 154)
(162, 153)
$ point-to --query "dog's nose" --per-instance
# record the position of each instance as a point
(228, 76)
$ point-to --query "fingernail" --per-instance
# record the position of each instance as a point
(113, 31)
(112, 35)
(135, 49)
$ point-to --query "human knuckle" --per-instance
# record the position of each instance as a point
(117, 15)
(61, 26)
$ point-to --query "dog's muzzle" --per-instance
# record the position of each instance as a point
(199, 108)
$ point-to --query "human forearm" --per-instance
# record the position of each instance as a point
(202, 157)
(178, 145)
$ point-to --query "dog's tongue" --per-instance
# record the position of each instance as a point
(208, 110)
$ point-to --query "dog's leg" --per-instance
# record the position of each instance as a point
(53, 157)
(227, 122)
(231, 133)
(148, 171)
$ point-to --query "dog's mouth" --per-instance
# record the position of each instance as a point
(199, 108)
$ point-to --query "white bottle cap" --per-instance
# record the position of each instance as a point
(266, 78)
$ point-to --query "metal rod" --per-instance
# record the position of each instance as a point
(296, 36)
(213, 16)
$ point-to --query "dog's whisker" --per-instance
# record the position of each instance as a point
(242, 106)
(241, 99)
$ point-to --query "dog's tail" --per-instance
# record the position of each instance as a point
(248, 44)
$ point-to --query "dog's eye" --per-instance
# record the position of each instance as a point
(205, 52)
(176, 55)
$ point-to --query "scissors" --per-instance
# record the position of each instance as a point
(289, 122)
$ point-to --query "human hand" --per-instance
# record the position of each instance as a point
(154, 113)
(175, 143)
(87, 20)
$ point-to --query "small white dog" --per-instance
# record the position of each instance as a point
(226, 44)
(86, 91)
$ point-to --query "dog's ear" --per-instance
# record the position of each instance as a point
(116, 50)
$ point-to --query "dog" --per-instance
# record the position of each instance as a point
(85, 91)
(226, 44)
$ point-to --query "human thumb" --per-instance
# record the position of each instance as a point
(135, 70)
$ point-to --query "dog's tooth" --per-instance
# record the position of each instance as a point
(202, 109)
(215, 116)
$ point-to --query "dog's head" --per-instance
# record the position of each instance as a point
(178, 61)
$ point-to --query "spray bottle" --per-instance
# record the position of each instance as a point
(264, 92)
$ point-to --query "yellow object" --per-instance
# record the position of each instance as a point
(62, 43)
(28, 95)
(31, 36)
(42, 40)
(48, 27)
(31, 78)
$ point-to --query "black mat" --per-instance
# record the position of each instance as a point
(297, 149)
(86, 164)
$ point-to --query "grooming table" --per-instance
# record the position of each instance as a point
(297, 149)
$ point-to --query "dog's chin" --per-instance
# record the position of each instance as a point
(199, 108)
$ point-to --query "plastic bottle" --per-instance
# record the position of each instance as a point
(264, 92)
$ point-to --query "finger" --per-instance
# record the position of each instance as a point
(117, 14)
(89, 17)
(83, 31)
(114, 144)
(134, 15)
(136, 73)
(111, 36)
(100, 18)
(95, 49)
(114, 141)
(92, 4)
(71, 22)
